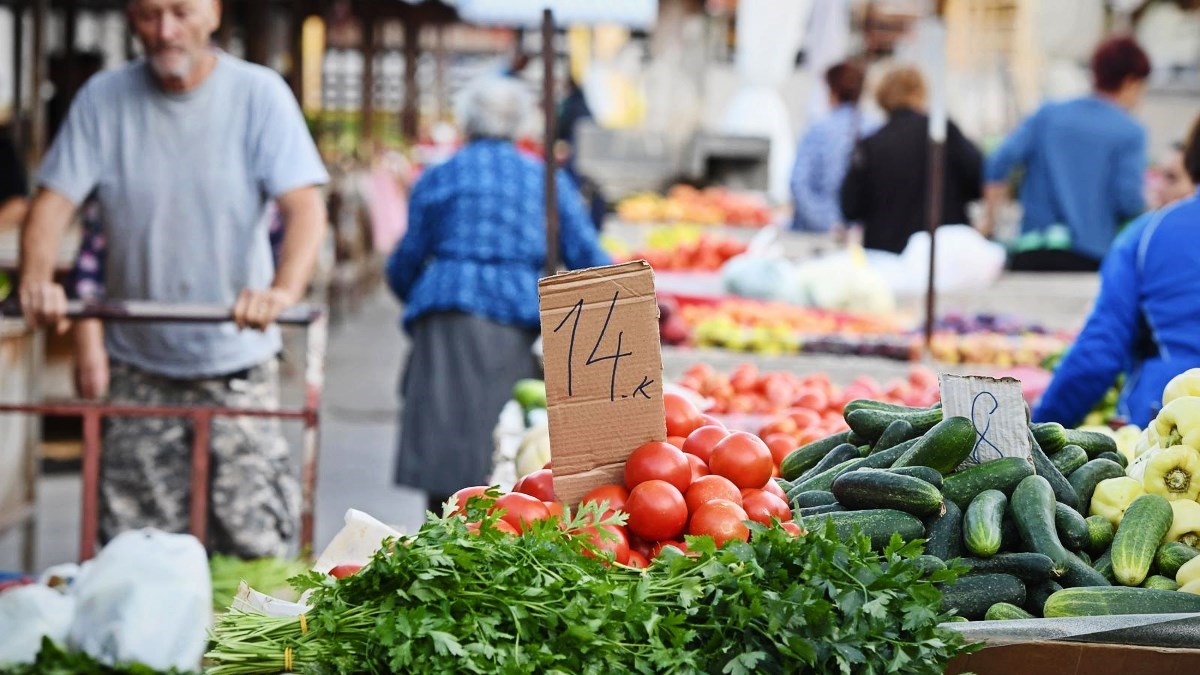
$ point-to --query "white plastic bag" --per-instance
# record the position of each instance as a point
(27, 614)
(966, 262)
(146, 598)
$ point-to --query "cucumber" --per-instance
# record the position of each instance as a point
(1033, 510)
(1051, 436)
(925, 473)
(878, 525)
(1087, 559)
(1142, 529)
(1087, 477)
(1115, 600)
(1114, 457)
(877, 489)
(818, 510)
(1093, 443)
(856, 440)
(1071, 527)
(785, 485)
(1171, 556)
(1010, 536)
(1100, 534)
(842, 453)
(943, 533)
(1068, 459)
(805, 457)
(1160, 582)
(971, 596)
(896, 433)
(1030, 567)
(1037, 593)
(814, 498)
(928, 564)
(1103, 565)
(1003, 611)
(999, 474)
(1043, 467)
(870, 424)
(943, 447)
(824, 480)
(871, 404)
(982, 521)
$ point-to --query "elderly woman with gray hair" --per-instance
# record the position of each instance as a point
(467, 272)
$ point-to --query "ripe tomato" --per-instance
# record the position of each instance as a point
(520, 509)
(701, 441)
(720, 519)
(804, 417)
(709, 488)
(461, 497)
(762, 506)
(615, 495)
(637, 561)
(699, 468)
(555, 509)
(500, 526)
(656, 510)
(343, 571)
(773, 488)
(710, 421)
(639, 545)
(658, 461)
(676, 441)
(538, 484)
(744, 378)
(742, 458)
(617, 545)
(780, 445)
(682, 416)
(658, 548)
(813, 399)
(792, 528)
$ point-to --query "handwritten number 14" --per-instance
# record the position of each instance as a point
(615, 357)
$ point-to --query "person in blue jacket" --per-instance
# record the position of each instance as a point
(1145, 322)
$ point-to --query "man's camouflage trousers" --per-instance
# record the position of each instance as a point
(145, 478)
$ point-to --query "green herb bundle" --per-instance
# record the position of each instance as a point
(449, 601)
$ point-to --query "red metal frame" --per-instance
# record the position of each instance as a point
(92, 413)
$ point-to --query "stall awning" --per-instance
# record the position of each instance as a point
(637, 14)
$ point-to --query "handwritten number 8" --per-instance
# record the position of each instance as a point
(592, 359)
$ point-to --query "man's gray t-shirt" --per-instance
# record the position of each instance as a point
(183, 182)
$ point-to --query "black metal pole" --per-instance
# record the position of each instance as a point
(18, 47)
(937, 172)
(551, 164)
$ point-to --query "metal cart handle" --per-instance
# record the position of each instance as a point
(137, 310)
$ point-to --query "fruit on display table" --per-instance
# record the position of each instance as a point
(773, 328)
(710, 206)
(681, 248)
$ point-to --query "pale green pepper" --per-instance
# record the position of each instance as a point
(1113, 496)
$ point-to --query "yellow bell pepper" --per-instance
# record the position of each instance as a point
(1188, 574)
(1173, 473)
(1184, 384)
(1192, 587)
(1179, 423)
(1146, 442)
(1127, 438)
(1113, 496)
(1185, 525)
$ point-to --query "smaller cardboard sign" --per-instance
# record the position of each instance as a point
(603, 365)
(996, 408)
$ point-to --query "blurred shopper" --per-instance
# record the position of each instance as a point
(14, 188)
(886, 188)
(824, 152)
(1145, 322)
(572, 111)
(1083, 161)
(467, 272)
(184, 149)
(1173, 181)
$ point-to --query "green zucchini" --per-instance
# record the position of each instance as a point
(1030, 567)
(1071, 527)
(1068, 459)
(870, 424)
(842, 453)
(1100, 534)
(878, 525)
(982, 521)
(805, 457)
(1033, 508)
(819, 509)
(814, 498)
(925, 473)
(1043, 467)
(1087, 477)
(999, 474)
(1160, 582)
(1037, 593)
(896, 433)
(928, 564)
(1003, 611)
(971, 596)
(876, 489)
(1051, 436)
(943, 447)
(1171, 556)
(1142, 529)
(1093, 443)
(1116, 600)
(824, 480)
(1114, 457)
(943, 533)
(1103, 565)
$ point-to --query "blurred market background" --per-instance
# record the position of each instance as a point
(696, 108)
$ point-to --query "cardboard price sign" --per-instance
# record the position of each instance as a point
(603, 372)
(996, 409)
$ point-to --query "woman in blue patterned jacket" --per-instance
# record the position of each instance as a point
(467, 272)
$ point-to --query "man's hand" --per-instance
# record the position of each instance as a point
(91, 360)
(44, 303)
(260, 309)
